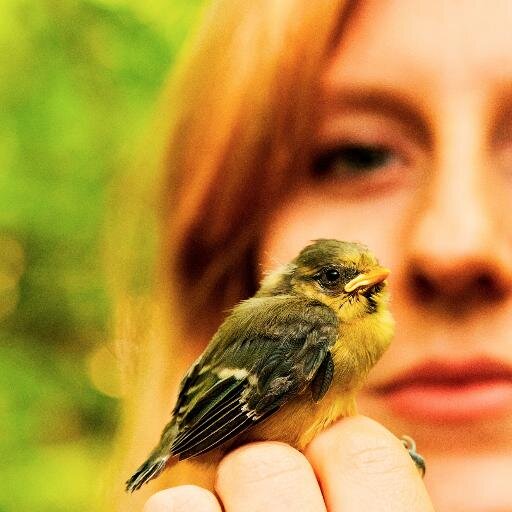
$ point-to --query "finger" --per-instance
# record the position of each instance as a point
(362, 466)
(270, 476)
(185, 498)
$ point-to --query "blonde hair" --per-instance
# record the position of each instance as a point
(234, 133)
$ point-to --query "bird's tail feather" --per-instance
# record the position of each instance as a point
(146, 472)
(157, 460)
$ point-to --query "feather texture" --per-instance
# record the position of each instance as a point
(286, 363)
(239, 382)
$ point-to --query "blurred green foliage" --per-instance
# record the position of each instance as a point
(78, 82)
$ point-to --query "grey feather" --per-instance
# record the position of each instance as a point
(267, 351)
(323, 378)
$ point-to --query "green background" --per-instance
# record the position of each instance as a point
(78, 86)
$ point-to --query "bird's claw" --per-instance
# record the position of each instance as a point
(418, 460)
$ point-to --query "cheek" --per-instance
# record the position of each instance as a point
(309, 215)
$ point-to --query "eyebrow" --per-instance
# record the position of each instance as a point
(388, 103)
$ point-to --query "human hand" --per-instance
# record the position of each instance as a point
(354, 465)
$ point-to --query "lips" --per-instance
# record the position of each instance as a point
(456, 391)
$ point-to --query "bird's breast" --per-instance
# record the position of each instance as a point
(301, 419)
(360, 345)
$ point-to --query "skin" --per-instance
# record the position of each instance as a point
(436, 212)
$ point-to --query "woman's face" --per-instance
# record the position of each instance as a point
(414, 158)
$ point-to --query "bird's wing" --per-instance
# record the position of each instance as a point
(268, 351)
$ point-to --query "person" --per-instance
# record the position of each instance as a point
(379, 121)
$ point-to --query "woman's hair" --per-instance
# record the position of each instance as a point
(233, 136)
(243, 122)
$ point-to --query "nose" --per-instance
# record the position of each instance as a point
(459, 254)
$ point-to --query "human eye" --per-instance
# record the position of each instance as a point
(351, 160)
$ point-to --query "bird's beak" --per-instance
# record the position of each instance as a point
(374, 276)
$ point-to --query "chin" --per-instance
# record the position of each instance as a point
(468, 458)
(476, 482)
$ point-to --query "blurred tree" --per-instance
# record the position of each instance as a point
(78, 81)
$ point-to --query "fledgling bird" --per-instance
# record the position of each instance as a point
(286, 363)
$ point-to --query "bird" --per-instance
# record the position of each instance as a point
(286, 363)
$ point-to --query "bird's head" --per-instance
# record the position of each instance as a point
(346, 276)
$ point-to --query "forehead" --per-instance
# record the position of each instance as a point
(426, 47)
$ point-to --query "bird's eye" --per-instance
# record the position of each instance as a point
(332, 275)
(329, 277)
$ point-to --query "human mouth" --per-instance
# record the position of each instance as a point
(450, 391)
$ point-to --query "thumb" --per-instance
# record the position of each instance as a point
(185, 498)
(362, 466)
